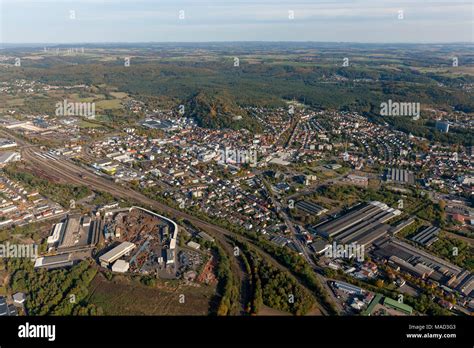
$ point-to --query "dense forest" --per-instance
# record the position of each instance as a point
(57, 292)
(215, 89)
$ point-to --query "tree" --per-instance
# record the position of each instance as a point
(379, 283)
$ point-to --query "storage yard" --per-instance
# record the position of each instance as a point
(136, 240)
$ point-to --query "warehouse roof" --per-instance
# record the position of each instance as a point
(373, 303)
(397, 305)
(117, 252)
(55, 261)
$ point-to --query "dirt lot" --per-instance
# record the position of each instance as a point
(123, 296)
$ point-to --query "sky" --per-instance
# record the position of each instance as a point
(369, 21)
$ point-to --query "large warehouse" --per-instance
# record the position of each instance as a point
(55, 261)
(116, 253)
(422, 264)
(362, 225)
(399, 176)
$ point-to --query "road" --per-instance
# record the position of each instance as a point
(72, 173)
(324, 281)
(280, 211)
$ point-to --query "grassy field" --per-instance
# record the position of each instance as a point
(119, 95)
(109, 104)
(86, 124)
(123, 296)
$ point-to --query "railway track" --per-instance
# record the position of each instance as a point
(71, 173)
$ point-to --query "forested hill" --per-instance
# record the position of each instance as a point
(219, 110)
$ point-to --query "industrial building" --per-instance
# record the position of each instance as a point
(280, 241)
(154, 238)
(205, 236)
(375, 301)
(464, 283)
(349, 288)
(427, 236)
(378, 304)
(399, 176)
(7, 143)
(443, 127)
(165, 125)
(9, 156)
(94, 232)
(116, 253)
(420, 263)
(7, 309)
(193, 245)
(170, 255)
(310, 208)
(419, 270)
(120, 266)
(56, 235)
(320, 246)
(361, 225)
(3, 307)
(56, 261)
(72, 232)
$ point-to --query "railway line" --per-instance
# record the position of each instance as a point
(74, 174)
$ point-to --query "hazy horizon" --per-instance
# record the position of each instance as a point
(203, 21)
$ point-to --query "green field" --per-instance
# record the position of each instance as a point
(122, 296)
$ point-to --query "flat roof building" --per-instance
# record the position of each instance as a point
(9, 156)
(399, 176)
(52, 262)
(193, 245)
(349, 288)
(169, 256)
(120, 266)
(205, 236)
(310, 208)
(19, 297)
(56, 235)
(72, 230)
(116, 253)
